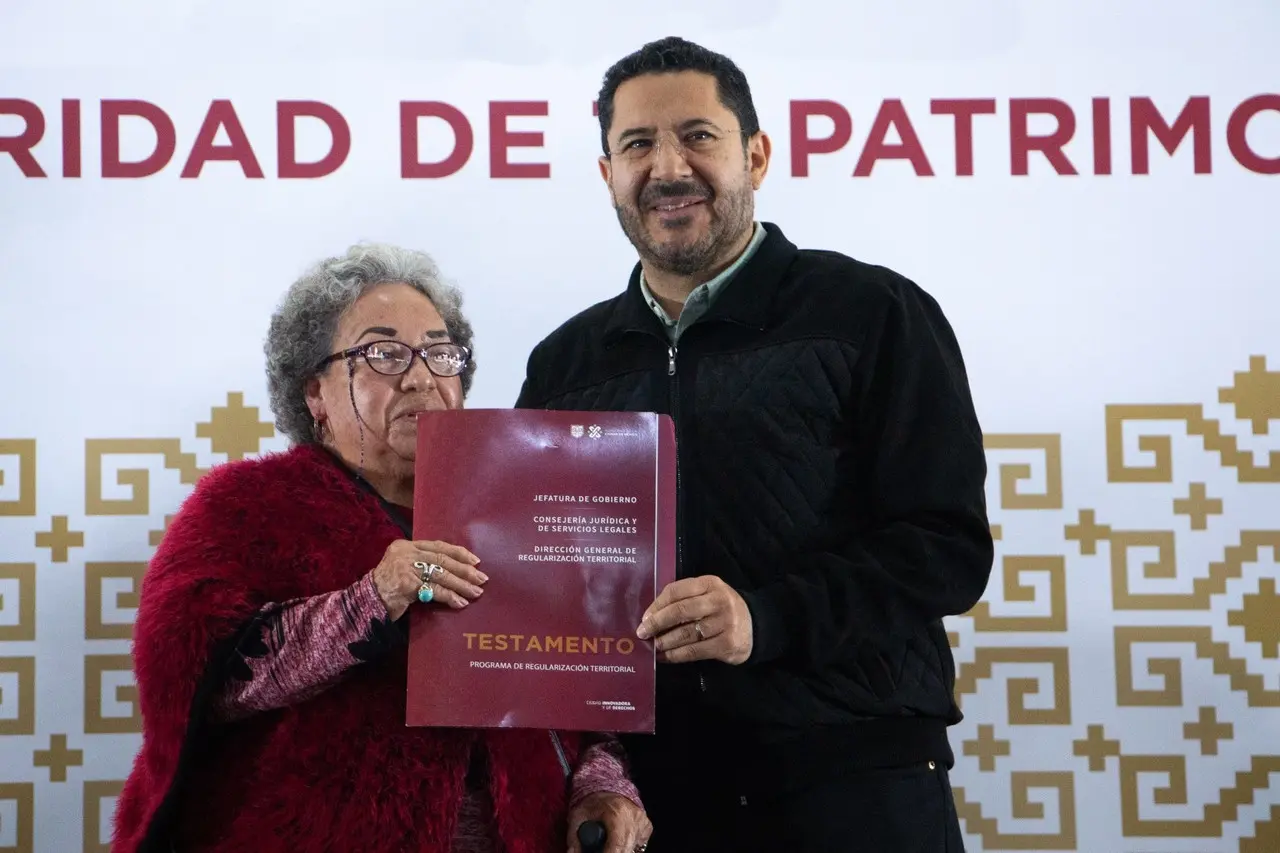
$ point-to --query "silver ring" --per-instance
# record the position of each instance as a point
(697, 627)
(428, 569)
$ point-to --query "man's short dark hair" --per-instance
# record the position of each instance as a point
(672, 54)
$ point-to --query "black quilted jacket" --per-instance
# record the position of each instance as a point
(831, 470)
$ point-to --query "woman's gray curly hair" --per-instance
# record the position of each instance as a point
(302, 328)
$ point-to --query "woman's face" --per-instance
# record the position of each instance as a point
(384, 406)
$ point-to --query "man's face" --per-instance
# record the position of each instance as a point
(681, 180)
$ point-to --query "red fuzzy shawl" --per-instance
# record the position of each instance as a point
(339, 772)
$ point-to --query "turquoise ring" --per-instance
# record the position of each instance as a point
(426, 593)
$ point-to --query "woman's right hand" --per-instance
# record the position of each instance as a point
(398, 581)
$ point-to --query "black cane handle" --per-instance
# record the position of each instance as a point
(592, 836)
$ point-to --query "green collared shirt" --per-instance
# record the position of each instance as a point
(703, 295)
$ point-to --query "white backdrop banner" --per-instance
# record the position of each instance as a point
(1091, 190)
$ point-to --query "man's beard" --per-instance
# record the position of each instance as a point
(731, 215)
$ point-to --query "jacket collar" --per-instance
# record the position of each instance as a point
(747, 299)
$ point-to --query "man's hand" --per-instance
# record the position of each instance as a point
(699, 619)
(627, 825)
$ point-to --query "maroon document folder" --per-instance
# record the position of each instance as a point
(572, 515)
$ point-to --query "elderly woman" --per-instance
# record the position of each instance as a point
(270, 645)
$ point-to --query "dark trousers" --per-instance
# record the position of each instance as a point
(899, 810)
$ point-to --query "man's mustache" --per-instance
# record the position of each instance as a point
(676, 189)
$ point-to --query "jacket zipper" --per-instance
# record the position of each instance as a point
(672, 349)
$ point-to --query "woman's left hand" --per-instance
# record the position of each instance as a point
(626, 823)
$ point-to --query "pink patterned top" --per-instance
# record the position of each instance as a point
(306, 645)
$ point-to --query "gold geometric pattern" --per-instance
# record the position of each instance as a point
(1016, 567)
(96, 575)
(24, 450)
(1255, 395)
(19, 799)
(1097, 747)
(1266, 837)
(59, 539)
(137, 479)
(1020, 709)
(1208, 731)
(58, 758)
(96, 720)
(1170, 695)
(1174, 769)
(1050, 450)
(1018, 674)
(1024, 808)
(1208, 430)
(1198, 506)
(17, 602)
(94, 811)
(234, 429)
(1088, 533)
(986, 747)
(1259, 616)
(17, 696)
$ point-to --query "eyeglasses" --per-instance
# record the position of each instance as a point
(391, 358)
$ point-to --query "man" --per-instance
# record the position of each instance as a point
(831, 503)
